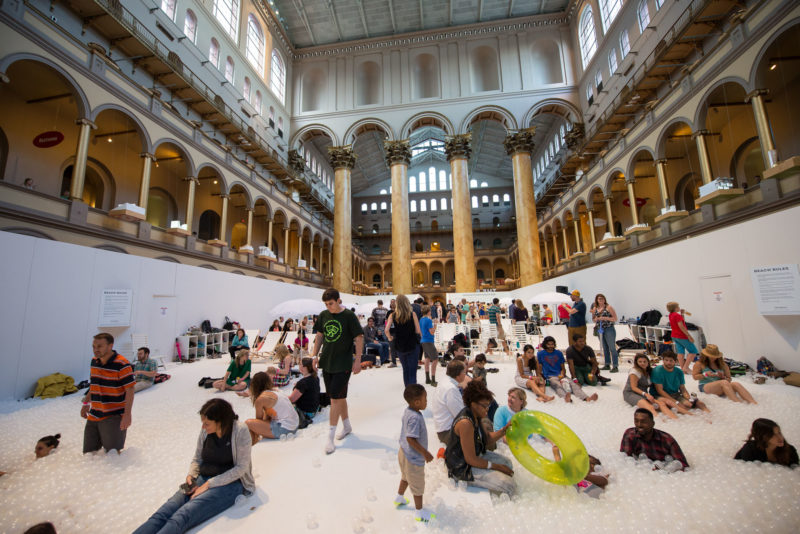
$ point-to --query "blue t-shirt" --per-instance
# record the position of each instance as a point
(502, 416)
(425, 324)
(413, 427)
(671, 381)
(579, 317)
(551, 362)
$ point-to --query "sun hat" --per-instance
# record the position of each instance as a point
(711, 351)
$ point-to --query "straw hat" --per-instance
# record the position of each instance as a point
(711, 351)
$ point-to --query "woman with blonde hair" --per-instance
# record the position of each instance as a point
(520, 312)
(404, 339)
(714, 377)
(284, 358)
(237, 377)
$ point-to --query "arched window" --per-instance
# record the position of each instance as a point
(497, 243)
(495, 200)
(624, 43)
(506, 199)
(364, 208)
(383, 207)
(413, 206)
(423, 205)
(474, 202)
(612, 61)
(168, 7)
(442, 180)
(213, 52)
(485, 201)
(587, 36)
(246, 89)
(609, 9)
(412, 184)
(431, 179)
(373, 208)
(254, 50)
(473, 183)
(423, 182)
(443, 204)
(277, 76)
(257, 102)
(190, 25)
(484, 184)
(227, 13)
(382, 192)
(643, 14)
(433, 204)
(229, 69)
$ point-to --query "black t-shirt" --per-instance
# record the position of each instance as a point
(308, 386)
(405, 335)
(217, 455)
(581, 358)
(750, 452)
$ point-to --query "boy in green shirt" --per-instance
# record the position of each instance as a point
(337, 328)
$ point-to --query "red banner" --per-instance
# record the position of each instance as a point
(48, 139)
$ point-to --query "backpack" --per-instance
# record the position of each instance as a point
(205, 326)
(228, 324)
(303, 419)
(627, 344)
(649, 318)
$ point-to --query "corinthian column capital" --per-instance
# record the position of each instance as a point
(397, 152)
(342, 157)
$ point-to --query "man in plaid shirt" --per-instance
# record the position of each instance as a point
(643, 438)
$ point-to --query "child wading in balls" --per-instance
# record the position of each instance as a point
(413, 451)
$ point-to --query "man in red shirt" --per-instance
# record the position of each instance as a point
(563, 313)
(108, 403)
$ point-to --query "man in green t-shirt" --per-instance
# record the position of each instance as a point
(337, 328)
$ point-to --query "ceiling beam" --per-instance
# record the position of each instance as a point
(363, 17)
(480, 9)
(421, 17)
(335, 19)
(510, 8)
(302, 12)
(391, 14)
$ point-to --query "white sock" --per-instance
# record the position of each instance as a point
(332, 433)
(346, 429)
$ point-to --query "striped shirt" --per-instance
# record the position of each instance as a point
(107, 387)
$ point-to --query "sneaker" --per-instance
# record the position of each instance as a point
(392, 365)
(427, 380)
(398, 502)
(329, 447)
(424, 515)
(605, 368)
(615, 369)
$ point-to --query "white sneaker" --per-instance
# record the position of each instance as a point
(400, 501)
(424, 515)
(343, 433)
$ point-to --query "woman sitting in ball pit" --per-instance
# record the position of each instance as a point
(45, 445)
(525, 376)
(714, 377)
(220, 471)
(466, 455)
(275, 413)
(284, 373)
(766, 444)
(517, 401)
(635, 390)
(237, 377)
(305, 394)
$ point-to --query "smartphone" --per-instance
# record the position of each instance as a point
(187, 488)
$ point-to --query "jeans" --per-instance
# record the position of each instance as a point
(383, 350)
(494, 481)
(409, 362)
(179, 513)
(608, 339)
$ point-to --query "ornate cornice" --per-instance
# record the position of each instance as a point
(433, 36)
(457, 146)
(342, 157)
(520, 142)
(397, 152)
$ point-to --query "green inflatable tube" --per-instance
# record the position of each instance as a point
(574, 462)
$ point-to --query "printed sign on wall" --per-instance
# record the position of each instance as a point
(115, 307)
(777, 289)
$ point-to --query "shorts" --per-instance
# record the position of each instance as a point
(701, 387)
(336, 384)
(413, 474)
(278, 431)
(521, 382)
(429, 349)
(104, 434)
(684, 345)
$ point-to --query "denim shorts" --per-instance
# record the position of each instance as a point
(278, 431)
(684, 345)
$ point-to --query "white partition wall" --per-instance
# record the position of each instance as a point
(709, 275)
(51, 305)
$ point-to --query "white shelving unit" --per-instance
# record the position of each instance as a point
(195, 346)
(188, 345)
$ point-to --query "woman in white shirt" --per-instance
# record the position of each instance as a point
(275, 413)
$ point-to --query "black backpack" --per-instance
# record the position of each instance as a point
(649, 318)
(205, 326)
